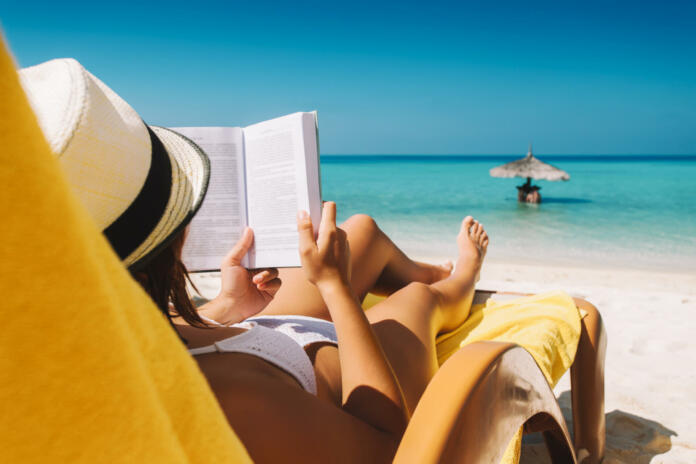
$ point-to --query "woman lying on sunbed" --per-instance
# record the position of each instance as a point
(303, 389)
(294, 387)
(318, 388)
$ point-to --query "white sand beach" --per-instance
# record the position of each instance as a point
(650, 379)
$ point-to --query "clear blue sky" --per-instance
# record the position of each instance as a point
(393, 77)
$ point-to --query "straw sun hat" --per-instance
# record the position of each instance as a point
(141, 184)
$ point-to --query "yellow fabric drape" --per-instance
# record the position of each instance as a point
(547, 325)
(90, 370)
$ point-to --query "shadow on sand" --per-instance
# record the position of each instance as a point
(630, 438)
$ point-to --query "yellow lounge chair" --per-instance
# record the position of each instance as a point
(486, 391)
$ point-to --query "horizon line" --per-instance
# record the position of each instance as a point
(675, 155)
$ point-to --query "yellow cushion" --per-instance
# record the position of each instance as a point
(90, 370)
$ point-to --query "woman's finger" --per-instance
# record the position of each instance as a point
(259, 276)
(327, 227)
(341, 238)
(305, 233)
(328, 217)
(271, 287)
(264, 275)
(239, 250)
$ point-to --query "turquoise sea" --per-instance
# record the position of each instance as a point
(617, 211)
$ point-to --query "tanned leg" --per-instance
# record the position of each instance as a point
(307, 428)
(378, 266)
(587, 387)
(408, 321)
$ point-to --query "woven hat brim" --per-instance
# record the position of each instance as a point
(190, 177)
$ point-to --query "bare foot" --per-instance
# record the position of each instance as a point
(473, 244)
(392, 279)
(434, 272)
(457, 292)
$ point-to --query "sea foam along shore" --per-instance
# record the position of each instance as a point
(650, 382)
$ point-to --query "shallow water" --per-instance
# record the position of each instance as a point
(626, 211)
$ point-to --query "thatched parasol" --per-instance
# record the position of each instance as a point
(531, 168)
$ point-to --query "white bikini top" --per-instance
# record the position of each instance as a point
(279, 340)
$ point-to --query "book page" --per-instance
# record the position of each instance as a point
(277, 155)
(222, 216)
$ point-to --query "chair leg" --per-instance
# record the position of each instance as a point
(557, 447)
(587, 387)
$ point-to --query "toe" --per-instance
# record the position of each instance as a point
(476, 233)
(466, 224)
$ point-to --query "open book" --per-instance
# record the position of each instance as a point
(260, 176)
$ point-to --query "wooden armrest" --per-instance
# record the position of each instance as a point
(480, 296)
(476, 402)
(587, 379)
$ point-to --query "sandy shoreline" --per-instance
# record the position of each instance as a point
(650, 381)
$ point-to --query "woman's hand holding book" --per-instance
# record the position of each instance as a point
(243, 292)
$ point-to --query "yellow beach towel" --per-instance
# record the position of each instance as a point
(90, 370)
(547, 325)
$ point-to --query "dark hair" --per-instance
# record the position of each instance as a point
(164, 278)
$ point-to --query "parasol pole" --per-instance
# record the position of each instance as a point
(529, 155)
